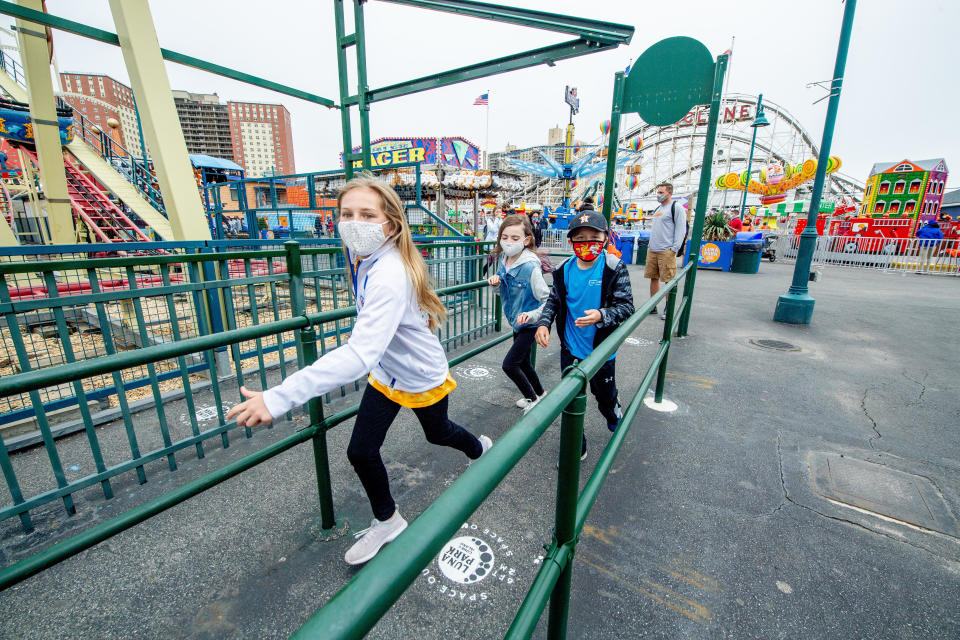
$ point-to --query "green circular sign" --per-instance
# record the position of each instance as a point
(669, 79)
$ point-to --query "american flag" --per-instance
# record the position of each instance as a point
(483, 99)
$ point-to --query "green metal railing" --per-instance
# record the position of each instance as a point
(132, 332)
(272, 198)
(303, 324)
(357, 607)
(360, 604)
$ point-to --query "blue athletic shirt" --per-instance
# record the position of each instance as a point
(583, 293)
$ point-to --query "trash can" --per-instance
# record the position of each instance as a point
(627, 243)
(643, 241)
(747, 249)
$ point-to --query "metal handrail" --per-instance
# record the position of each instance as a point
(301, 321)
(109, 149)
(357, 607)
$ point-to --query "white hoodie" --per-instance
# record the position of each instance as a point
(390, 339)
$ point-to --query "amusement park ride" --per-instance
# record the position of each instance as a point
(97, 217)
(572, 168)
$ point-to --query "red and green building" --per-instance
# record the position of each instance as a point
(906, 189)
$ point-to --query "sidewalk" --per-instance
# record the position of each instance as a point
(802, 493)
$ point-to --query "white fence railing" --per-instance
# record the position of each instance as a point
(554, 239)
(913, 255)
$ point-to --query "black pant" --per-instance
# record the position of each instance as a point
(374, 418)
(603, 386)
(517, 365)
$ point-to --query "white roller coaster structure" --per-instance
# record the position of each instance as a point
(674, 154)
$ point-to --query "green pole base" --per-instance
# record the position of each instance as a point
(339, 530)
(794, 308)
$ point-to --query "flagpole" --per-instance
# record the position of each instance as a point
(486, 142)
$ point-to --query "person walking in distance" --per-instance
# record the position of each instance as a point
(523, 291)
(392, 340)
(667, 233)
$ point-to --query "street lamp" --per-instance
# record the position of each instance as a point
(796, 305)
(759, 121)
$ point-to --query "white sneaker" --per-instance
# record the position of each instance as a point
(526, 404)
(372, 540)
(486, 443)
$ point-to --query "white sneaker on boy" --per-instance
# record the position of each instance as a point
(486, 443)
(372, 540)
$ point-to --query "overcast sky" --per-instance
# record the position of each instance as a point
(900, 94)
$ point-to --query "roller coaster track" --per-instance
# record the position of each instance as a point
(734, 145)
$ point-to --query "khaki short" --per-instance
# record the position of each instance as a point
(661, 265)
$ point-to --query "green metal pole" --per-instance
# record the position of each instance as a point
(618, 82)
(306, 340)
(753, 142)
(568, 488)
(344, 89)
(497, 314)
(362, 88)
(696, 235)
(796, 306)
(321, 460)
(662, 371)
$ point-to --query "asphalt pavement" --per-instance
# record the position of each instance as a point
(809, 490)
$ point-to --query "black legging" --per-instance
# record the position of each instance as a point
(375, 416)
(517, 365)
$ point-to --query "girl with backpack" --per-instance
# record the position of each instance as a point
(522, 291)
(392, 340)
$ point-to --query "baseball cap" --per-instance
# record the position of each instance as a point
(588, 219)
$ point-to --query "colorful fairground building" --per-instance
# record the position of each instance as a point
(908, 189)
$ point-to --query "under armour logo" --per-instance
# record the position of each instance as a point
(584, 218)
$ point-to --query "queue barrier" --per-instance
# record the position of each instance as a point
(356, 608)
(174, 324)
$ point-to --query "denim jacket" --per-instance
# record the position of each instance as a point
(522, 288)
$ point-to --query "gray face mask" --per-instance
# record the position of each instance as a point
(662, 197)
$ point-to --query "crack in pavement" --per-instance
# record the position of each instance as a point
(863, 406)
(789, 500)
(923, 387)
(783, 484)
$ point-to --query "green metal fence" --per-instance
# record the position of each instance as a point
(360, 604)
(73, 316)
(298, 199)
(357, 607)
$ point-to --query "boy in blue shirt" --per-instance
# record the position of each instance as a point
(591, 297)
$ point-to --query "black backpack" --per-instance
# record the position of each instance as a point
(686, 230)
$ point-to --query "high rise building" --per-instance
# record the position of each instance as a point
(556, 135)
(262, 138)
(205, 123)
(257, 136)
(100, 98)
